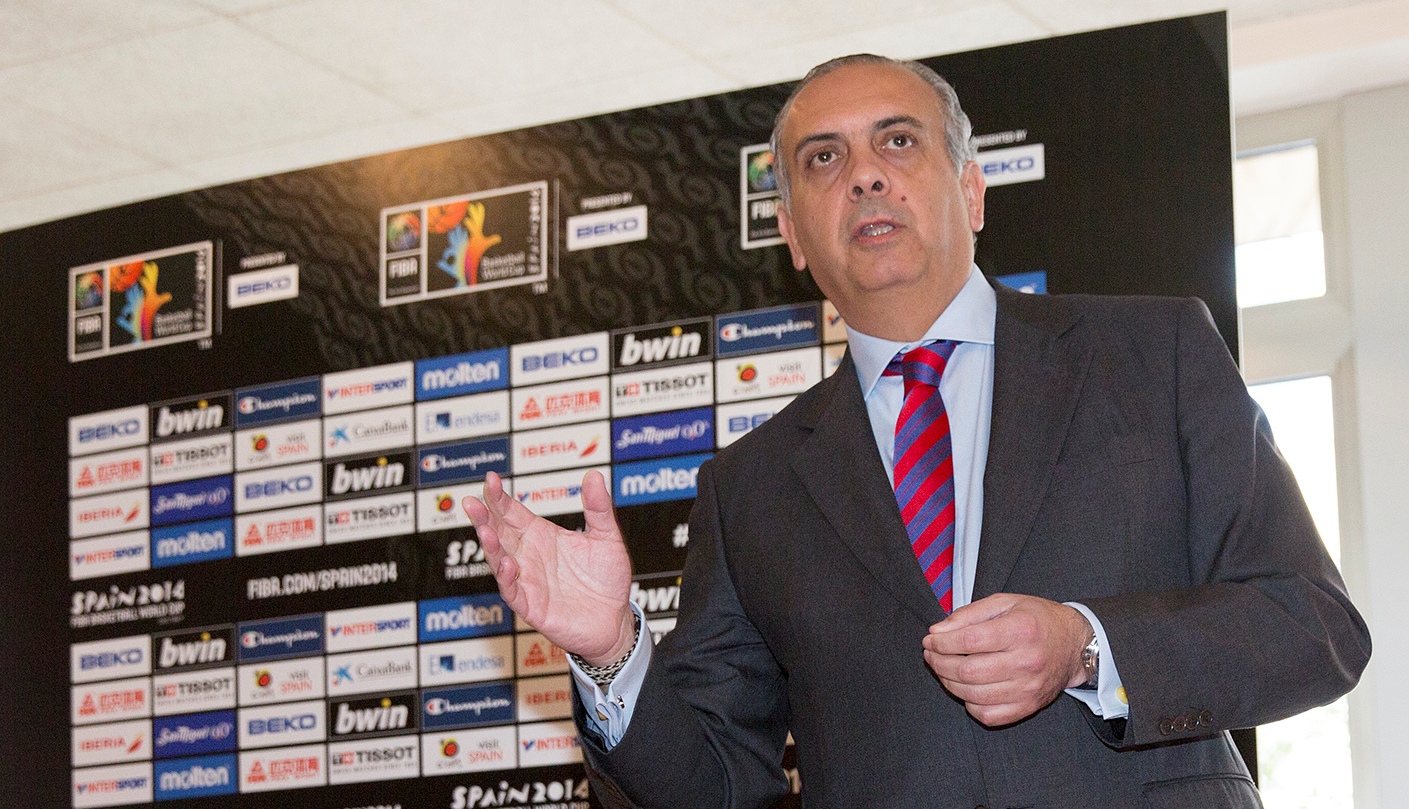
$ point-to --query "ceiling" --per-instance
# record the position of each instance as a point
(107, 102)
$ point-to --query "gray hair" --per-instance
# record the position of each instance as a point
(958, 132)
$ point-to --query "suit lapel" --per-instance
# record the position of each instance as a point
(1037, 377)
(842, 472)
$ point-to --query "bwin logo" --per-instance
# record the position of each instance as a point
(204, 650)
(387, 716)
(383, 475)
(204, 416)
(675, 345)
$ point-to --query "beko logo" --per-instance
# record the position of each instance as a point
(607, 227)
(103, 432)
(283, 724)
(561, 359)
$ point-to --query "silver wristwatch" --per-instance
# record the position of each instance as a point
(1091, 663)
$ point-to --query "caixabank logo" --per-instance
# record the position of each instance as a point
(192, 416)
(200, 777)
(671, 342)
(284, 401)
(656, 481)
(384, 715)
(769, 329)
(370, 431)
(192, 500)
(281, 637)
(379, 670)
(462, 374)
(462, 417)
(369, 474)
(194, 648)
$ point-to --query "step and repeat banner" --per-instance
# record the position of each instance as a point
(241, 420)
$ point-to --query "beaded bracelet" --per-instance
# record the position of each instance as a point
(603, 675)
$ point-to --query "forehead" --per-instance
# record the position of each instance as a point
(855, 97)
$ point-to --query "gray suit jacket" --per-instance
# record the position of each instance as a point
(1128, 469)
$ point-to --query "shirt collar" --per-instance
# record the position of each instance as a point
(969, 318)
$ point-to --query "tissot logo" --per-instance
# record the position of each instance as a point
(686, 340)
(187, 691)
(190, 417)
(373, 473)
(369, 518)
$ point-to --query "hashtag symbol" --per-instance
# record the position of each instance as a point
(681, 536)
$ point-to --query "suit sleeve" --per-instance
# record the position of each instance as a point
(710, 724)
(1265, 629)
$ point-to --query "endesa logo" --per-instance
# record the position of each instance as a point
(463, 462)
(111, 429)
(672, 342)
(118, 785)
(607, 227)
(272, 725)
(1015, 164)
(467, 661)
(467, 706)
(196, 777)
(461, 374)
(286, 401)
(281, 637)
(564, 358)
(462, 417)
(768, 329)
(369, 387)
(176, 736)
(659, 434)
(464, 617)
(656, 481)
(193, 542)
(186, 418)
(192, 500)
(110, 659)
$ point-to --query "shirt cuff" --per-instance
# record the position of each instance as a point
(1108, 700)
(609, 710)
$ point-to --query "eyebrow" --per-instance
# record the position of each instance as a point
(883, 124)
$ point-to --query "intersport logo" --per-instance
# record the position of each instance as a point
(371, 627)
(368, 388)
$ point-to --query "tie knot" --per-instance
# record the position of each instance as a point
(922, 365)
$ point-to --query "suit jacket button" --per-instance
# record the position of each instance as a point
(1165, 726)
(1206, 718)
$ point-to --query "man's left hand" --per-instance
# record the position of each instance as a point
(1008, 656)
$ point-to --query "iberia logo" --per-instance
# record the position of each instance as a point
(463, 225)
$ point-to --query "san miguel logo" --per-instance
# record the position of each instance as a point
(686, 340)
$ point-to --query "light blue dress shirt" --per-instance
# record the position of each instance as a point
(967, 390)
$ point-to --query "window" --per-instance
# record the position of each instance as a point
(1277, 225)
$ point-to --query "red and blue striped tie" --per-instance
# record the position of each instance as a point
(924, 465)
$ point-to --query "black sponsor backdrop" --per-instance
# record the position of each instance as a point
(1137, 198)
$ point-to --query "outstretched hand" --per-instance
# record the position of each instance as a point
(571, 586)
(1008, 656)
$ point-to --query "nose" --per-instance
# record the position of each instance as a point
(868, 178)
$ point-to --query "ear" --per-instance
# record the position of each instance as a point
(974, 186)
(785, 227)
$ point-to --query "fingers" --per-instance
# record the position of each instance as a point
(597, 507)
(985, 609)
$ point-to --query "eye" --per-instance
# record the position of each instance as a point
(900, 140)
(823, 158)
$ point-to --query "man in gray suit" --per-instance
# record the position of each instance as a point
(1130, 565)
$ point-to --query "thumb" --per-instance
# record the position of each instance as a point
(597, 507)
(985, 609)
